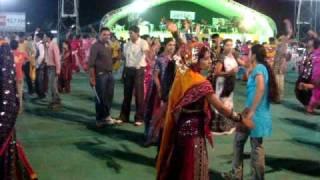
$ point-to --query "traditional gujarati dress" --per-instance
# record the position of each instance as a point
(65, 76)
(153, 100)
(183, 151)
(76, 45)
(86, 45)
(224, 91)
(305, 72)
(150, 58)
(315, 79)
(13, 162)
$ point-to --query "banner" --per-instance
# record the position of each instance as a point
(182, 15)
(12, 22)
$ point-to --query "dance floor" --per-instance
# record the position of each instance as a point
(65, 145)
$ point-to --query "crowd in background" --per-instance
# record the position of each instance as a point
(151, 71)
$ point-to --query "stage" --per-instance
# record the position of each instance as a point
(228, 18)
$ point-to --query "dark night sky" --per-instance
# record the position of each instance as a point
(43, 13)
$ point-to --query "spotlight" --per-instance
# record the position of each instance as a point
(139, 6)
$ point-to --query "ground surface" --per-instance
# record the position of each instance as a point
(65, 145)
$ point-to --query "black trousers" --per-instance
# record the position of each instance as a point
(41, 81)
(26, 70)
(105, 91)
(133, 81)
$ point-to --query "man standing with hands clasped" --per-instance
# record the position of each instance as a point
(101, 78)
(135, 53)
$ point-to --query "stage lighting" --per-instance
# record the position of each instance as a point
(54, 31)
(248, 22)
(139, 6)
(7, 2)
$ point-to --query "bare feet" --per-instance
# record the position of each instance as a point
(309, 110)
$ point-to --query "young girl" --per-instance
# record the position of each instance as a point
(261, 90)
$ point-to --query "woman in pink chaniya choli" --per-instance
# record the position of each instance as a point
(150, 58)
(86, 45)
(315, 79)
(75, 46)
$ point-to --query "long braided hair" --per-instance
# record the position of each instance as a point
(260, 53)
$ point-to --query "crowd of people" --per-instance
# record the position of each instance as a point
(183, 87)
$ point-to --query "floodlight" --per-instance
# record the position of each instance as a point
(139, 6)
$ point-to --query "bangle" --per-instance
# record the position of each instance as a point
(236, 117)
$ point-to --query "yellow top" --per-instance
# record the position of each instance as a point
(115, 46)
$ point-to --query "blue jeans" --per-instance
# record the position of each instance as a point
(53, 84)
(257, 156)
(104, 88)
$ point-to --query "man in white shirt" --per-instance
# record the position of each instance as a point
(135, 55)
(40, 65)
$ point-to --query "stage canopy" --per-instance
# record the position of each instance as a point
(152, 10)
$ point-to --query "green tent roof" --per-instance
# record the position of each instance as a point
(256, 22)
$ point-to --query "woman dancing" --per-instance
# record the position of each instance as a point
(315, 78)
(13, 161)
(305, 72)
(261, 90)
(153, 101)
(183, 153)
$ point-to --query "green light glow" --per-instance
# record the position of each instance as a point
(260, 24)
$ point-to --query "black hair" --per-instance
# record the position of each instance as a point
(202, 52)
(104, 29)
(145, 36)
(68, 44)
(50, 35)
(85, 36)
(40, 35)
(204, 39)
(226, 41)
(14, 44)
(316, 43)
(214, 36)
(167, 41)
(134, 29)
(261, 55)
(272, 40)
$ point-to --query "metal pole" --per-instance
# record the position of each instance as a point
(316, 17)
(298, 19)
(77, 17)
(311, 15)
(295, 17)
(59, 20)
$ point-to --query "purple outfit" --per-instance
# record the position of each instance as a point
(153, 100)
(315, 98)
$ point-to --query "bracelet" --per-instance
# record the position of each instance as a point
(236, 117)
